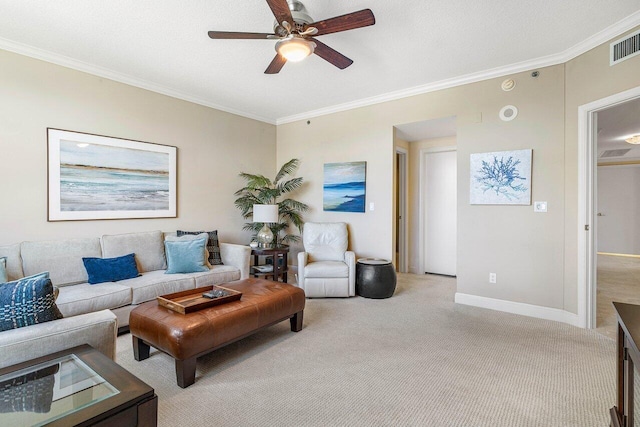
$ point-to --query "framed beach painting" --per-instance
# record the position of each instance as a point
(501, 178)
(344, 187)
(100, 177)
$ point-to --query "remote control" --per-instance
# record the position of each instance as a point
(215, 293)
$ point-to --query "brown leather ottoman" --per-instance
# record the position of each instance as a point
(186, 337)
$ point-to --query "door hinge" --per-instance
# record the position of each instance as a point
(586, 227)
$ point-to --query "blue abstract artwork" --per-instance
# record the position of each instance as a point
(101, 177)
(344, 187)
(501, 178)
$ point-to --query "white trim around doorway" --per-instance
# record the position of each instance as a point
(403, 196)
(587, 203)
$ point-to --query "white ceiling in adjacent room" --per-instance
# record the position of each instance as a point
(415, 45)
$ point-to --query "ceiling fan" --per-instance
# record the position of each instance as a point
(295, 30)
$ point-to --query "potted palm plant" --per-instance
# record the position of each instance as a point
(260, 190)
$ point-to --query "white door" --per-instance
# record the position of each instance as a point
(440, 212)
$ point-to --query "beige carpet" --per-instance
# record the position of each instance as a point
(416, 359)
(618, 280)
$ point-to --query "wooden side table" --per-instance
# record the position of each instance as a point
(276, 254)
(628, 355)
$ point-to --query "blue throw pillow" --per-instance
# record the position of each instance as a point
(102, 270)
(185, 256)
(213, 244)
(3, 270)
(26, 302)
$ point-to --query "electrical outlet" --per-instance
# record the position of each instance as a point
(492, 278)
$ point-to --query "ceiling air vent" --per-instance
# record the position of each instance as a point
(615, 153)
(624, 49)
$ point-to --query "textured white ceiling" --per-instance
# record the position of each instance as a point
(163, 45)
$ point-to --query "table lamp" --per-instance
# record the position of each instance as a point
(266, 214)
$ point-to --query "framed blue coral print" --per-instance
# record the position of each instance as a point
(501, 178)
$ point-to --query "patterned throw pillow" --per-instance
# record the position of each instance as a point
(26, 302)
(213, 246)
(31, 392)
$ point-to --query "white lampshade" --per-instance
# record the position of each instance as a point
(265, 213)
(295, 49)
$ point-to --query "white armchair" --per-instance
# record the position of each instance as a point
(326, 268)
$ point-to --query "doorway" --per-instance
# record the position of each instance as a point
(591, 129)
(414, 139)
(402, 172)
(440, 211)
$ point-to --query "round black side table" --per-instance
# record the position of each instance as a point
(375, 278)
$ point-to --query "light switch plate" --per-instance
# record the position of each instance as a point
(539, 206)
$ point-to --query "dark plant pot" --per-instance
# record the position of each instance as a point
(375, 278)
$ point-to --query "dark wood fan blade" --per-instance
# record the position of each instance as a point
(276, 65)
(331, 55)
(281, 11)
(233, 35)
(350, 21)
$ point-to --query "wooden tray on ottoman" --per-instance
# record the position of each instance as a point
(192, 300)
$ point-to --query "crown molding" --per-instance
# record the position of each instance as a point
(597, 39)
(106, 73)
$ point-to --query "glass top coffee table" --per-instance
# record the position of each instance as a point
(78, 386)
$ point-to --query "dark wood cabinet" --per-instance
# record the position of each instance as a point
(627, 357)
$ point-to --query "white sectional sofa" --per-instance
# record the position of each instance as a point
(97, 306)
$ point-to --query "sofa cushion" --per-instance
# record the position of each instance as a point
(155, 283)
(185, 256)
(27, 302)
(147, 246)
(217, 275)
(86, 298)
(14, 262)
(326, 269)
(61, 258)
(102, 270)
(213, 245)
(325, 241)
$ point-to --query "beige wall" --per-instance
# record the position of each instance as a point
(533, 254)
(213, 147)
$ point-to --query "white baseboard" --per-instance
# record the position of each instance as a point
(521, 308)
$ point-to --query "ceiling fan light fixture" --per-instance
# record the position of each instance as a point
(295, 49)
(633, 140)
